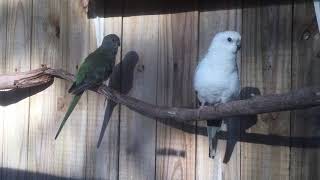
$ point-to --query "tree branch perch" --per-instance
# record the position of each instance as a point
(298, 99)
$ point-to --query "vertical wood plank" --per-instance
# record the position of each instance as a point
(178, 43)
(70, 147)
(103, 163)
(305, 159)
(44, 106)
(16, 116)
(137, 132)
(266, 64)
(3, 34)
(212, 22)
(3, 42)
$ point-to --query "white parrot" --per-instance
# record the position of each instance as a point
(216, 78)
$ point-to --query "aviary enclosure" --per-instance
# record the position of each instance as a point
(161, 43)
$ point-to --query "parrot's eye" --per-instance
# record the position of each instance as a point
(229, 39)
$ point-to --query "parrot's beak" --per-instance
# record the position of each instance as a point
(238, 47)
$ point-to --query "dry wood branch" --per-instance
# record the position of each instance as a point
(299, 99)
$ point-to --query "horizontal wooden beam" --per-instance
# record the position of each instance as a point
(116, 8)
(298, 99)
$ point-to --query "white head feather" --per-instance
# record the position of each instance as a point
(227, 41)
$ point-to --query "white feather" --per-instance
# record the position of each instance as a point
(317, 10)
(216, 78)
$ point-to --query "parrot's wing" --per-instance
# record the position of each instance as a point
(77, 89)
(73, 86)
(85, 77)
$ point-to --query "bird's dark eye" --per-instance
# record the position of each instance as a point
(229, 39)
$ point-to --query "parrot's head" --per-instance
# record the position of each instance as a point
(110, 41)
(229, 41)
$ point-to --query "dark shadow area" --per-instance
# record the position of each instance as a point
(275, 140)
(185, 127)
(238, 125)
(121, 80)
(15, 95)
(111, 8)
(8, 174)
(171, 152)
(232, 138)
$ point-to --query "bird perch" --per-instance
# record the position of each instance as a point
(298, 99)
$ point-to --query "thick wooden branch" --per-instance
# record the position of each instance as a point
(299, 99)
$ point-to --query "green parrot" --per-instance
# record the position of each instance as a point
(96, 68)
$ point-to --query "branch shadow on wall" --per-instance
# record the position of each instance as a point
(15, 95)
(237, 126)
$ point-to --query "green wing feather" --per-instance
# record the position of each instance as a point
(71, 107)
(96, 68)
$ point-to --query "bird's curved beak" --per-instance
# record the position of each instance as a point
(238, 47)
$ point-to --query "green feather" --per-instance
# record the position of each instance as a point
(71, 107)
(93, 71)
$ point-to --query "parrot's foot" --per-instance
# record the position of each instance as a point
(200, 108)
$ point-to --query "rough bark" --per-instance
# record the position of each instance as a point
(298, 99)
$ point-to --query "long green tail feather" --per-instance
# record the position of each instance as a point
(72, 105)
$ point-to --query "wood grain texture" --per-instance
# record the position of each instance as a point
(137, 133)
(304, 161)
(210, 23)
(3, 41)
(70, 147)
(58, 33)
(95, 111)
(266, 65)
(16, 117)
(3, 34)
(46, 49)
(175, 149)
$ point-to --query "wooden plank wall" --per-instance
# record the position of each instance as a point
(266, 65)
(305, 72)
(16, 117)
(274, 59)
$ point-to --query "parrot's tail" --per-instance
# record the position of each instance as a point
(72, 105)
(213, 126)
